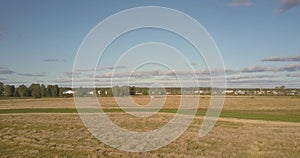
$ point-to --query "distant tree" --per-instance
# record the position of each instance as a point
(120, 91)
(48, 89)
(125, 91)
(61, 90)
(132, 90)
(145, 91)
(22, 91)
(44, 91)
(53, 90)
(280, 88)
(35, 90)
(1, 89)
(9, 90)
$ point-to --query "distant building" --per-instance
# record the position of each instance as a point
(68, 92)
(228, 92)
(240, 92)
(90, 93)
(138, 93)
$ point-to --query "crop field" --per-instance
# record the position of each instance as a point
(248, 127)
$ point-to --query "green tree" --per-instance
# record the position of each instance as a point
(22, 91)
(35, 90)
(1, 89)
(132, 90)
(125, 91)
(48, 89)
(145, 91)
(61, 90)
(44, 91)
(9, 90)
(53, 90)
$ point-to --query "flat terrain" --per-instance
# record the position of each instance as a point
(248, 127)
(231, 102)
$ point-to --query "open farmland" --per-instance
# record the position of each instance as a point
(248, 127)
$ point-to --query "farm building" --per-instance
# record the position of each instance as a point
(68, 92)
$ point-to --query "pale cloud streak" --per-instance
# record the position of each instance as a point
(241, 77)
(287, 68)
(71, 74)
(54, 60)
(286, 58)
(114, 67)
(290, 68)
(293, 75)
(6, 71)
(259, 68)
(41, 74)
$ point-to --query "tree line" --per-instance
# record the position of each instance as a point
(34, 90)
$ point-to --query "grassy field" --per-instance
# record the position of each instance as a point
(248, 127)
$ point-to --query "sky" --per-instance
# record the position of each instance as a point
(258, 42)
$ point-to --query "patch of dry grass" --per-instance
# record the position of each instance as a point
(37, 103)
(64, 135)
(231, 103)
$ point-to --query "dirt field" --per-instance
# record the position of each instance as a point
(231, 103)
(64, 135)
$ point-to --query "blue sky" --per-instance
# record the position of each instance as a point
(258, 40)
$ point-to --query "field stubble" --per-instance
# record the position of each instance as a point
(61, 134)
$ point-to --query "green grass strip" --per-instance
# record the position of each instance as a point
(286, 116)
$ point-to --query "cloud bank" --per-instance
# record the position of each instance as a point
(287, 68)
(287, 58)
(288, 4)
